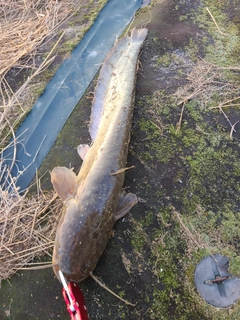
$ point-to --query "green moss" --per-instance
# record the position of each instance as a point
(164, 60)
(198, 170)
(37, 92)
(192, 49)
(183, 18)
(138, 239)
(148, 219)
(170, 255)
(226, 43)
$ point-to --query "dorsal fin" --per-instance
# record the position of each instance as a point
(64, 182)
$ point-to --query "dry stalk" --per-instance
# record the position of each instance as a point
(228, 120)
(180, 119)
(121, 170)
(186, 230)
(226, 103)
(224, 34)
(109, 290)
(233, 130)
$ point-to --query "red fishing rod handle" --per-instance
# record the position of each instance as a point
(75, 302)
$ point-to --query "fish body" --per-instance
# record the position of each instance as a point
(93, 200)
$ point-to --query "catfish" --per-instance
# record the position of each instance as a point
(93, 200)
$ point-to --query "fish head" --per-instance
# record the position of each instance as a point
(68, 247)
(81, 237)
(84, 228)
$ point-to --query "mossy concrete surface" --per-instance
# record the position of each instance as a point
(185, 148)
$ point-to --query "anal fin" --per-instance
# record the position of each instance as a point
(125, 203)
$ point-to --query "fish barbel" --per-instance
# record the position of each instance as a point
(93, 200)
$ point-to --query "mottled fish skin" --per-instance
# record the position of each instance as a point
(93, 200)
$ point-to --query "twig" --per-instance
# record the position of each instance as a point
(37, 267)
(121, 170)
(180, 119)
(198, 84)
(228, 120)
(224, 104)
(188, 232)
(160, 128)
(224, 34)
(219, 67)
(232, 129)
(109, 290)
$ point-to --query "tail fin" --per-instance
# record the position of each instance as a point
(139, 34)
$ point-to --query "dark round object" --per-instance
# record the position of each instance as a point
(214, 283)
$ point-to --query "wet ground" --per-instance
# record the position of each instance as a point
(186, 158)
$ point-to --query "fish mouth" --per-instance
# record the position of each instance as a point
(70, 277)
(56, 270)
(74, 277)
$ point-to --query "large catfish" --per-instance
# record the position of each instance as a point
(93, 200)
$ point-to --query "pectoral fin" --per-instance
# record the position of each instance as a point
(64, 182)
(82, 150)
(125, 203)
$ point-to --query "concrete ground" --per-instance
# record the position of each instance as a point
(185, 152)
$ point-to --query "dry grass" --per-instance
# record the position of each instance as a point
(27, 223)
(28, 226)
(213, 87)
(209, 84)
(24, 25)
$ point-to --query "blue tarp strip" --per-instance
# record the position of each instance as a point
(43, 124)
